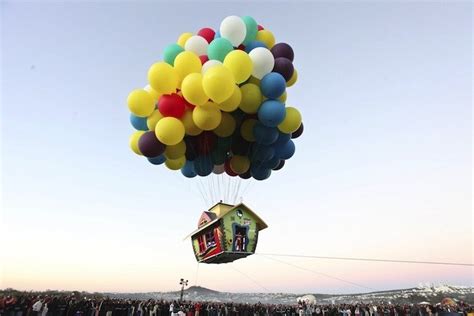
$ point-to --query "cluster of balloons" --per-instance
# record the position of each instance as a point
(217, 103)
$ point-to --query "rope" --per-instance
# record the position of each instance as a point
(369, 259)
(319, 273)
(248, 277)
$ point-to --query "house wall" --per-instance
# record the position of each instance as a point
(215, 250)
(247, 219)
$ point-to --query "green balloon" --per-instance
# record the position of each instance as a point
(224, 143)
(218, 156)
(252, 29)
(170, 53)
(219, 48)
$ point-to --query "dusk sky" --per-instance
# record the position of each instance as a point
(383, 170)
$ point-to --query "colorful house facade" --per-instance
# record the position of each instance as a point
(226, 233)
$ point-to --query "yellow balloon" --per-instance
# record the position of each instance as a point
(266, 37)
(155, 94)
(186, 63)
(239, 164)
(134, 142)
(218, 83)
(175, 164)
(254, 80)
(291, 122)
(293, 79)
(232, 103)
(183, 38)
(192, 89)
(207, 117)
(163, 78)
(140, 102)
(175, 151)
(153, 119)
(282, 98)
(226, 127)
(189, 125)
(239, 62)
(251, 98)
(169, 130)
(246, 129)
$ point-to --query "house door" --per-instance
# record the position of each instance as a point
(240, 238)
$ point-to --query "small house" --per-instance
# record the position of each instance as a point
(226, 233)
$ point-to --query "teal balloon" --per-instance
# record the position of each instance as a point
(139, 123)
(252, 29)
(188, 169)
(170, 53)
(219, 48)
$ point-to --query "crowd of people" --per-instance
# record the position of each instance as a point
(74, 305)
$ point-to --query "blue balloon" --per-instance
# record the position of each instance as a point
(139, 123)
(273, 85)
(188, 169)
(285, 151)
(261, 153)
(265, 135)
(158, 160)
(203, 165)
(271, 113)
(253, 44)
(282, 139)
(272, 163)
(260, 173)
(217, 34)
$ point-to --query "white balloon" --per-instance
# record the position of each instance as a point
(233, 28)
(218, 169)
(262, 60)
(197, 45)
(208, 64)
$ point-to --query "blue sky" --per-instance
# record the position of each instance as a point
(382, 170)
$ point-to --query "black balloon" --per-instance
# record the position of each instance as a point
(191, 147)
(150, 146)
(206, 142)
(284, 67)
(298, 132)
(283, 50)
(280, 165)
(240, 146)
(245, 175)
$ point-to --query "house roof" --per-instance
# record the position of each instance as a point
(221, 209)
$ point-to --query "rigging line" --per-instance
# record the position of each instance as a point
(320, 273)
(204, 191)
(237, 190)
(251, 279)
(211, 188)
(202, 195)
(370, 259)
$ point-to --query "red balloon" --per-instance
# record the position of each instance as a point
(228, 169)
(171, 105)
(203, 59)
(241, 47)
(207, 33)
(206, 142)
(260, 27)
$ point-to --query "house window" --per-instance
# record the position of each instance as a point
(210, 239)
(202, 245)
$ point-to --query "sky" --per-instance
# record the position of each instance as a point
(383, 169)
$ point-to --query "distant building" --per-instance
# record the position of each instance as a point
(226, 233)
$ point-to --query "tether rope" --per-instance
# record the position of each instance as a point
(248, 277)
(369, 259)
(319, 273)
